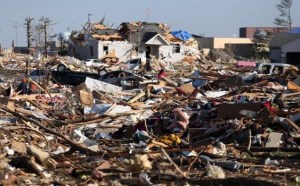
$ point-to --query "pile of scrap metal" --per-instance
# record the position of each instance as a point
(181, 127)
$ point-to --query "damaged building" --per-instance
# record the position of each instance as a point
(132, 40)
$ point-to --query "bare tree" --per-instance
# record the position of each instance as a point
(284, 18)
(28, 24)
(45, 23)
(38, 30)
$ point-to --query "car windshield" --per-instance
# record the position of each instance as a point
(134, 61)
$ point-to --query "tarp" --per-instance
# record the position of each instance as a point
(295, 31)
(183, 35)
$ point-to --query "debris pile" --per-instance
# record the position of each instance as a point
(197, 123)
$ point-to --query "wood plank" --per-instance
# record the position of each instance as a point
(137, 97)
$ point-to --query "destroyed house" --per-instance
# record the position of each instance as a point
(285, 48)
(157, 40)
(148, 37)
(98, 40)
(139, 39)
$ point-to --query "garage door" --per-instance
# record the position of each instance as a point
(293, 58)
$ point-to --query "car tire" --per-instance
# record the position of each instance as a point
(61, 68)
(102, 72)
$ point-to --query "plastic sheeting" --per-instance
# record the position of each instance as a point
(183, 35)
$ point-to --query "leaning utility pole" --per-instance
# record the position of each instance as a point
(28, 24)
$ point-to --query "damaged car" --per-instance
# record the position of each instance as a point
(265, 69)
(124, 79)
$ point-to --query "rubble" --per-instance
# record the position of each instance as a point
(199, 123)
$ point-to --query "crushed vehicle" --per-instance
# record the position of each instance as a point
(264, 69)
(124, 79)
(71, 77)
(96, 64)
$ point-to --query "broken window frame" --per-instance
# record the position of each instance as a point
(176, 48)
(105, 49)
(91, 50)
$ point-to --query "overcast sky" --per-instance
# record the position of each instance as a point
(218, 18)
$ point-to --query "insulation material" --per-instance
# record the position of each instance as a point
(214, 171)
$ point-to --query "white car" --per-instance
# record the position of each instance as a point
(272, 68)
(265, 69)
(134, 64)
(94, 63)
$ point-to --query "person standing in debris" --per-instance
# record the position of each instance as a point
(33, 89)
(22, 87)
(161, 74)
(198, 84)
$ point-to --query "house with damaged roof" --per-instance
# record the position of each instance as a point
(96, 40)
(132, 40)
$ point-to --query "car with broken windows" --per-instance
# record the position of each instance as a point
(265, 69)
(134, 64)
(272, 68)
(124, 79)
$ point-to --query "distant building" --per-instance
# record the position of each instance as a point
(285, 48)
(239, 46)
(248, 32)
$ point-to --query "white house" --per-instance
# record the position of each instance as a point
(130, 40)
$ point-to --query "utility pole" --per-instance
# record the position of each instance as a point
(89, 20)
(28, 24)
(16, 25)
(148, 13)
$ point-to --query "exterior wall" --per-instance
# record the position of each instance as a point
(279, 55)
(84, 51)
(244, 50)
(167, 52)
(206, 42)
(293, 46)
(170, 56)
(220, 43)
(275, 55)
(123, 49)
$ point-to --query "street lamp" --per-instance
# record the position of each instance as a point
(89, 20)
